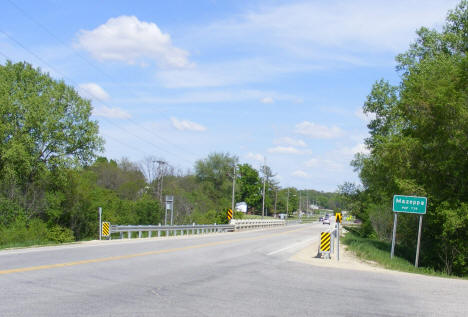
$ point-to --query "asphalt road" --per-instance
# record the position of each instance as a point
(228, 274)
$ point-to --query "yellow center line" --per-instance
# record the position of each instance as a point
(129, 256)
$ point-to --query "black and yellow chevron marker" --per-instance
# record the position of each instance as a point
(229, 214)
(325, 242)
(338, 217)
(106, 229)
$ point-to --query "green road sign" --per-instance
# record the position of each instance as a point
(410, 204)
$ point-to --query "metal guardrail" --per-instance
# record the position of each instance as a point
(169, 230)
(256, 223)
(160, 230)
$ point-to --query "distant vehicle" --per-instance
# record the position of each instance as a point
(357, 221)
(326, 221)
(321, 219)
(327, 216)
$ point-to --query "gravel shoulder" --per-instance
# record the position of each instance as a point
(348, 260)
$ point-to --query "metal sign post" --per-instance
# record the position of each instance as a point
(395, 219)
(100, 223)
(338, 242)
(419, 242)
(413, 205)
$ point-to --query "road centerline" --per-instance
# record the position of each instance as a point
(141, 254)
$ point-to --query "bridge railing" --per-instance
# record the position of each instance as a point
(256, 223)
(160, 230)
(169, 230)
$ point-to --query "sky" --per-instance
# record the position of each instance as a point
(281, 82)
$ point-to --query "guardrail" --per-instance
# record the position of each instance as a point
(169, 230)
(256, 223)
(160, 230)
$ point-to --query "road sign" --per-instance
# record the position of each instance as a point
(338, 217)
(105, 229)
(409, 204)
(325, 242)
(229, 214)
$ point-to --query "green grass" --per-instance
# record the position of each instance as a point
(25, 244)
(379, 251)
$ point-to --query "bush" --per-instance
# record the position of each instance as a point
(60, 234)
(23, 232)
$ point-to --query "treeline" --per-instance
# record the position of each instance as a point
(52, 181)
(419, 146)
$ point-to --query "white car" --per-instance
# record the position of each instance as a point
(326, 221)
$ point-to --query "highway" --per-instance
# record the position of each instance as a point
(227, 274)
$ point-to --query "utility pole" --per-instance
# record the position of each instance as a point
(300, 204)
(287, 204)
(160, 177)
(264, 179)
(233, 187)
(276, 197)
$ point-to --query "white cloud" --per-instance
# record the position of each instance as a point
(327, 164)
(290, 141)
(307, 27)
(300, 174)
(358, 148)
(186, 125)
(130, 40)
(93, 91)
(284, 150)
(107, 112)
(208, 96)
(313, 162)
(255, 156)
(267, 100)
(225, 73)
(366, 117)
(317, 131)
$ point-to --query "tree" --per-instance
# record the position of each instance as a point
(249, 187)
(45, 127)
(418, 144)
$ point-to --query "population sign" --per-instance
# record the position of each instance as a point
(409, 204)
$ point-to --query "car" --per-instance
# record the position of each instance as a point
(321, 219)
(326, 221)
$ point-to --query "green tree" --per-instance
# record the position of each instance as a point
(249, 187)
(45, 127)
(418, 144)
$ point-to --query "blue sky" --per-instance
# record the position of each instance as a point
(177, 80)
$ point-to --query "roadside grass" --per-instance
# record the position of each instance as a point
(377, 251)
(25, 244)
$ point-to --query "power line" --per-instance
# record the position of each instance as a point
(99, 100)
(96, 68)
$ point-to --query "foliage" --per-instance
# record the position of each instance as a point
(418, 144)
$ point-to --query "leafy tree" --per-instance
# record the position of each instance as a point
(45, 127)
(418, 142)
(249, 187)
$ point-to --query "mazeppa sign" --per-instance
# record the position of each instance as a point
(409, 204)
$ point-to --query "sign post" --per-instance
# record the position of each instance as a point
(412, 205)
(100, 223)
(338, 221)
(395, 219)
